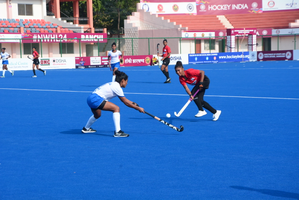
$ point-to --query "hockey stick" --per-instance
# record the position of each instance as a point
(30, 58)
(158, 54)
(186, 105)
(166, 123)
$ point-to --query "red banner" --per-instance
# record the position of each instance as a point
(134, 61)
(274, 55)
(64, 37)
(220, 7)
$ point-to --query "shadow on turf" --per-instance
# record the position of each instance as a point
(78, 131)
(275, 193)
(169, 120)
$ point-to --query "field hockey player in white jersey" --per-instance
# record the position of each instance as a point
(4, 56)
(113, 57)
(98, 101)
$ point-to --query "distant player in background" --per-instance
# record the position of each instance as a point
(36, 62)
(113, 58)
(98, 101)
(4, 57)
(200, 81)
(165, 60)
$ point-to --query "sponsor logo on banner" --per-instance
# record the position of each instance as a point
(275, 5)
(275, 55)
(228, 6)
(169, 8)
(19, 64)
(59, 61)
(45, 62)
(95, 61)
(131, 61)
(175, 7)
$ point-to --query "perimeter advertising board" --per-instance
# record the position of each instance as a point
(135, 61)
(274, 55)
(218, 57)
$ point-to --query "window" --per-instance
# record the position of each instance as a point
(207, 44)
(67, 48)
(25, 9)
(28, 47)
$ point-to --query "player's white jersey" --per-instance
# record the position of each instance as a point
(4, 56)
(109, 90)
(114, 56)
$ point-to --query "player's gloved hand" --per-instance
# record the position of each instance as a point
(121, 60)
(200, 86)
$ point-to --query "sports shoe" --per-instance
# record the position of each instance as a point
(2, 76)
(12, 73)
(216, 115)
(90, 130)
(201, 113)
(45, 72)
(34, 76)
(120, 134)
(168, 80)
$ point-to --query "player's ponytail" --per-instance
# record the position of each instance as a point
(120, 76)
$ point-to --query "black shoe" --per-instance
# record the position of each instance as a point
(90, 130)
(120, 134)
(168, 80)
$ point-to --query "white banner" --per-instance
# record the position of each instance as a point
(296, 54)
(95, 61)
(272, 5)
(198, 34)
(252, 56)
(19, 64)
(287, 31)
(184, 58)
(169, 8)
(10, 38)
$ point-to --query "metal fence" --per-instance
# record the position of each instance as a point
(148, 46)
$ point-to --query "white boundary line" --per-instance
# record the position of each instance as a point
(155, 94)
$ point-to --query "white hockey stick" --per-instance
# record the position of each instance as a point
(186, 105)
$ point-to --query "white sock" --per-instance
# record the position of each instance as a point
(116, 119)
(90, 122)
(3, 72)
(10, 71)
(113, 78)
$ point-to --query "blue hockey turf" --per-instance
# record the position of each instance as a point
(251, 152)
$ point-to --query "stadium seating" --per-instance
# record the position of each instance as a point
(280, 19)
(196, 22)
(30, 26)
(263, 20)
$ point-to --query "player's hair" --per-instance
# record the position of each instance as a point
(178, 64)
(164, 40)
(113, 44)
(33, 47)
(120, 76)
(3, 48)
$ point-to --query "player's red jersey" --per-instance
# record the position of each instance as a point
(35, 55)
(166, 51)
(192, 76)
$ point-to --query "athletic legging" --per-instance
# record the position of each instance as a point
(198, 100)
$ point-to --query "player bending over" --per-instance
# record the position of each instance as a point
(98, 101)
(36, 62)
(201, 82)
(114, 62)
(4, 57)
(165, 60)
